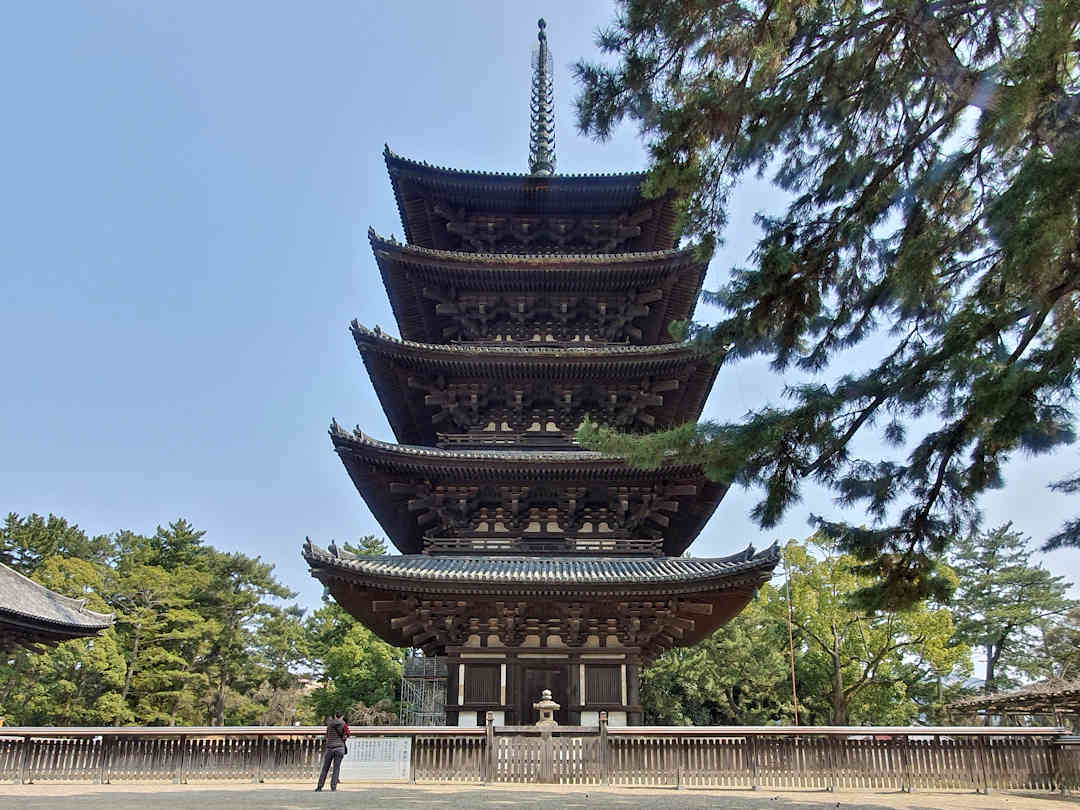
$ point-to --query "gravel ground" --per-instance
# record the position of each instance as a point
(301, 797)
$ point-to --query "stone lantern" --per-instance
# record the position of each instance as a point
(547, 708)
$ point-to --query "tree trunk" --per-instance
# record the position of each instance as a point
(839, 703)
(131, 664)
(219, 704)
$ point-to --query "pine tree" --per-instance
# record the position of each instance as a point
(1001, 600)
(932, 154)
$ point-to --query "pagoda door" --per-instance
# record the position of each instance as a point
(537, 678)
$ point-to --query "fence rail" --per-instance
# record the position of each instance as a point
(830, 758)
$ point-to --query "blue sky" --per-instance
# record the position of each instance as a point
(188, 188)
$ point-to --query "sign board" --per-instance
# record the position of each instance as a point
(376, 759)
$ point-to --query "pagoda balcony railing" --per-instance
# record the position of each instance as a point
(525, 441)
(547, 545)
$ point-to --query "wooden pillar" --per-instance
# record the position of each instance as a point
(452, 691)
(633, 690)
(489, 748)
(573, 691)
(605, 752)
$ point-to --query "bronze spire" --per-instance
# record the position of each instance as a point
(542, 128)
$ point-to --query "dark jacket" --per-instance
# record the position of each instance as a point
(335, 734)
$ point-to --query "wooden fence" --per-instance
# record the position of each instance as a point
(823, 758)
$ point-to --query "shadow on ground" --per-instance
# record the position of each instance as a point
(296, 797)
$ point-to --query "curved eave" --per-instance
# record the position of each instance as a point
(16, 628)
(406, 270)
(32, 613)
(374, 465)
(415, 182)
(726, 584)
(505, 575)
(391, 363)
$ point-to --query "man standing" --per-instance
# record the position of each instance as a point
(333, 750)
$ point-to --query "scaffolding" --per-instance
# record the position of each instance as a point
(423, 691)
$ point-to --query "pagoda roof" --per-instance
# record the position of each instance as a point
(547, 575)
(407, 271)
(376, 467)
(429, 602)
(417, 185)
(392, 362)
(30, 613)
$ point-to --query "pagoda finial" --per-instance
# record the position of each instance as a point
(542, 128)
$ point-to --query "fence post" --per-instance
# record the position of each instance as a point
(259, 759)
(678, 763)
(489, 747)
(412, 760)
(1056, 752)
(751, 749)
(605, 753)
(24, 767)
(983, 755)
(829, 746)
(180, 778)
(905, 764)
(103, 760)
(547, 757)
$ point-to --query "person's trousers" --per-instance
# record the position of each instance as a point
(332, 756)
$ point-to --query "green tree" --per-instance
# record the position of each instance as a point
(1070, 531)
(851, 665)
(931, 152)
(368, 546)
(282, 644)
(25, 543)
(737, 676)
(1001, 602)
(1061, 646)
(857, 665)
(360, 671)
(159, 625)
(234, 606)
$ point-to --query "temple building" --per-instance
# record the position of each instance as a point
(525, 302)
(32, 614)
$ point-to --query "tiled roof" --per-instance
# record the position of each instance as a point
(521, 571)
(21, 598)
(394, 160)
(359, 440)
(599, 353)
(547, 261)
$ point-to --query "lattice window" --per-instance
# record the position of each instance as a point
(603, 684)
(482, 683)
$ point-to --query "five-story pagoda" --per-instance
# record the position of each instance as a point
(524, 303)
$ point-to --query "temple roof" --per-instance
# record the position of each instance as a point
(412, 489)
(493, 464)
(521, 575)
(419, 187)
(1044, 697)
(31, 613)
(415, 277)
(669, 382)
